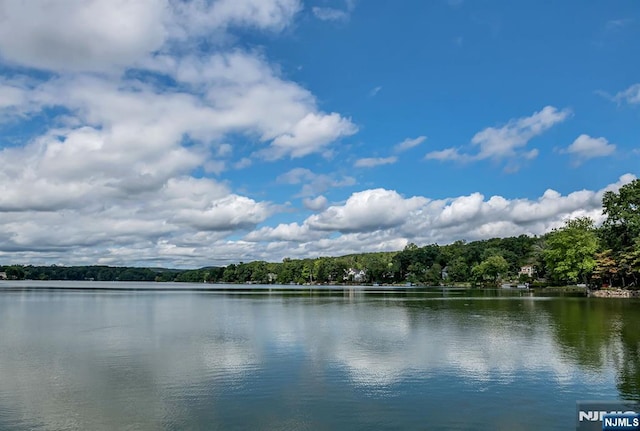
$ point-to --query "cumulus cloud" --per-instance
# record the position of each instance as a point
(383, 220)
(99, 35)
(283, 232)
(229, 91)
(315, 204)
(248, 94)
(371, 162)
(586, 147)
(296, 176)
(16, 100)
(131, 127)
(312, 183)
(153, 232)
(198, 16)
(409, 143)
(229, 213)
(506, 142)
(309, 135)
(367, 210)
(631, 95)
(243, 163)
(91, 35)
(108, 176)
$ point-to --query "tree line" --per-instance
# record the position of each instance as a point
(578, 252)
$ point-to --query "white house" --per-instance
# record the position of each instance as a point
(356, 275)
(527, 270)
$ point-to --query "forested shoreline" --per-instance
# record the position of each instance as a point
(578, 252)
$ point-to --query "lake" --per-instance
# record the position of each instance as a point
(343, 359)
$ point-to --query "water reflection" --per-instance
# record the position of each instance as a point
(598, 332)
(150, 360)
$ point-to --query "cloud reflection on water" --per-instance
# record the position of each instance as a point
(71, 361)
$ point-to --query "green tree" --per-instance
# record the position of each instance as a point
(570, 250)
(620, 231)
(458, 270)
(15, 272)
(606, 267)
(630, 262)
(622, 225)
(320, 270)
(229, 275)
(491, 269)
(433, 276)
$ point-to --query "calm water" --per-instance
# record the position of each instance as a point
(346, 360)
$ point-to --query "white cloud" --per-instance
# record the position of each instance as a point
(110, 175)
(374, 91)
(586, 147)
(409, 143)
(334, 14)
(86, 35)
(201, 16)
(224, 150)
(506, 142)
(379, 220)
(157, 231)
(110, 178)
(309, 135)
(448, 154)
(283, 232)
(365, 211)
(316, 204)
(15, 99)
(313, 183)
(243, 163)
(370, 162)
(229, 213)
(246, 93)
(631, 95)
(330, 14)
(296, 176)
(107, 35)
(502, 142)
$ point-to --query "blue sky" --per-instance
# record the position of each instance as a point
(189, 133)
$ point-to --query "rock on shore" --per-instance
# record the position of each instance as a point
(615, 293)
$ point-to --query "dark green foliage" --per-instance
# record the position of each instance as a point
(490, 270)
(570, 250)
(619, 261)
(622, 226)
(97, 273)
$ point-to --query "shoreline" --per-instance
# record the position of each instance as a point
(614, 293)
